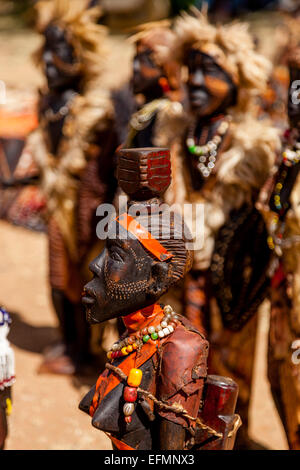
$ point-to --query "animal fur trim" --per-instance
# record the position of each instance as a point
(60, 174)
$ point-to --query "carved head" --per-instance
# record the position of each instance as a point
(61, 65)
(224, 69)
(154, 71)
(210, 88)
(73, 45)
(145, 252)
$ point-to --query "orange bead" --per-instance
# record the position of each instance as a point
(135, 346)
(129, 348)
(134, 378)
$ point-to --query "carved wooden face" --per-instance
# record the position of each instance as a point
(126, 278)
(210, 88)
(59, 58)
(294, 97)
(146, 73)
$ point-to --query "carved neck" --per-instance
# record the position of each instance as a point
(210, 120)
(153, 94)
(137, 320)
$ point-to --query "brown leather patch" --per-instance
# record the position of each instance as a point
(184, 359)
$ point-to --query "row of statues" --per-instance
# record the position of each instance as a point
(187, 130)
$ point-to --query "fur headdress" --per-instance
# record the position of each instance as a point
(80, 25)
(231, 46)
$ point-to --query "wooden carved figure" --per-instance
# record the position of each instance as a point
(221, 159)
(70, 147)
(150, 393)
(156, 84)
(284, 235)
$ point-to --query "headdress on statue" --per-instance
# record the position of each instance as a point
(80, 25)
(144, 175)
(230, 45)
(159, 37)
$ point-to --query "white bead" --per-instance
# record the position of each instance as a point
(128, 409)
(170, 328)
(177, 107)
(161, 334)
(166, 331)
(168, 309)
(151, 330)
(190, 142)
(164, 324)
(115, 347)
(158, 328)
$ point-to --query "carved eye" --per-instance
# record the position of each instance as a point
(115, 254)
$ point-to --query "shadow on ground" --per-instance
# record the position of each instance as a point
(36, 339)
(31, 338)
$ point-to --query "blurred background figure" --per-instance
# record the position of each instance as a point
(284, 227)
(156, 84)
(223, 158)
(71, 149)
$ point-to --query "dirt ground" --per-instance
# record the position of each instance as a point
(45, 409)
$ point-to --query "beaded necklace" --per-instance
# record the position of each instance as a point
(135, 342)
(207, 153)
(290, 158)
(52, 116)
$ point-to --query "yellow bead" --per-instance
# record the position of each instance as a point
(109, 355)
(8, 406)
(129, 348)
(134, 378)
(124, 351)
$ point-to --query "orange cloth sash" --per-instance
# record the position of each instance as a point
(144, 237)
(108, 380)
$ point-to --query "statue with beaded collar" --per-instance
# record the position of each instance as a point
(70, 148)
(150, 395)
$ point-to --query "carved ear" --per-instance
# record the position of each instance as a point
(159, 279)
